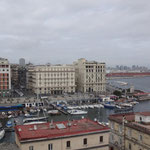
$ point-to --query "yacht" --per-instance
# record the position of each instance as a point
(77, 112)
(2, 131)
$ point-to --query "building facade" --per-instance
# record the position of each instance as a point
(14, 75)
(81, 134)
(5, 78)
(51, 79)
(130, 131)
(90, 76)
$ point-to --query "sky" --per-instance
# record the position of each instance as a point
(62, 31)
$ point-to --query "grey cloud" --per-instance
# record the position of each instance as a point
(114, 31)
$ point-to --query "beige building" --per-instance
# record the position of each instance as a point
(90, 76)
(81, 134)
(5, 77)
(130, 131)
(51, 79)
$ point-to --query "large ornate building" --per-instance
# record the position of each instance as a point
(90, 76)
(51, 79)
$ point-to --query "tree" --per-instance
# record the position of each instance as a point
(117, 93)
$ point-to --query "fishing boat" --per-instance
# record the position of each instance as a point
(77, 112)
(2, 131)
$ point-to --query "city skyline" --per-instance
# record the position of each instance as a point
(115, 32)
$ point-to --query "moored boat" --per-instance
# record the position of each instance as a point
(35, 120)
(77, 112)
(53, 112)
(109, 105)
(9, 124)
(2, 131)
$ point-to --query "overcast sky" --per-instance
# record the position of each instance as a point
(61, 31)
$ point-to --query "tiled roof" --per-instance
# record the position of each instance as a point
(43, 131)
(144, 113)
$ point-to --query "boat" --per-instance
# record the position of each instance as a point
(34, 120)
(11, 108)
(91, 106)
(109, 105)
(134, 103)
(53, 112)
(123, 109)
(9, 124)
(126, 105)
(2, 131)
(77, 112)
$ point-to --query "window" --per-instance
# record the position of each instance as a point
(120, 141)
(120, 128)
(130, 147)
(85, 141)
(31, 148)
(68, 144)
(50, 146)
(129, 132)
(140, 137)
(111, 138)
(112, 125)
(101, 139)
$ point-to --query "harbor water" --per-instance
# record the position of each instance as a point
(139, 83)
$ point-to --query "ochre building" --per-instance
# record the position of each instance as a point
(130, 131)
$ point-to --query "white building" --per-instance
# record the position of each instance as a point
(90, 76)
(5, 77)
(51, 79)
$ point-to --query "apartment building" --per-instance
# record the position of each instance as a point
(81, 134)
(90, 76)
(51, 79)
(14, 75)
(5, 78)
(130, 131)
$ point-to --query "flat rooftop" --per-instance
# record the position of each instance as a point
(58, 130)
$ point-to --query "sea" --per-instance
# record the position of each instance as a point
(101, 114)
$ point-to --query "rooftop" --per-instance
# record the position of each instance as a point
(58, 130)
(144, 113)
(130, 118)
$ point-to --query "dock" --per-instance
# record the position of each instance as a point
(62, 111)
